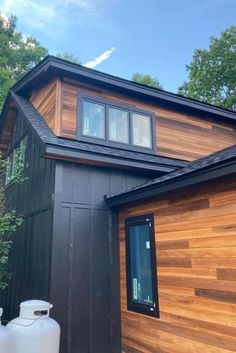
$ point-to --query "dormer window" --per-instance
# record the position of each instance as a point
(93, 119)
(113, 124)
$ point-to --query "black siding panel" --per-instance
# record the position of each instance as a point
(30, 256)
(87, 269)
(80, 277)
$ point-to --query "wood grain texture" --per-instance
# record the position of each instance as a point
(196, 258)
(46, 101)
(173, 129)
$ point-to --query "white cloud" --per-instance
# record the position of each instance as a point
(99, 59)
(40, 13)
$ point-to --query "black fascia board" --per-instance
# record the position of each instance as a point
(61, 152)
(179, 183)
(52, 66)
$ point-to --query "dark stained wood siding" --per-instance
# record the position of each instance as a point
(196, 255)
(31, 248)
(85, 304)
(178, 135)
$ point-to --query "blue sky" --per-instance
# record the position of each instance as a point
(157, 37)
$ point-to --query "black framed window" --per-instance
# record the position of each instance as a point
(114, 124)
(141, 130)
(16, 159)
(93, 119)
(141, 273)
(118, 122)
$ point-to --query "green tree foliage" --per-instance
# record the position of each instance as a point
(9, 220)
(17, 54)
(69, 57)
(212, 72)
(146, 80)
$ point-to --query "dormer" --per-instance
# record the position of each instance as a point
(118, 116)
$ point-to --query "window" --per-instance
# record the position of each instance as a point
(141, 130)
(115, 124)
(93, 119)
(16, 159)
(141, 265)
(118, 125)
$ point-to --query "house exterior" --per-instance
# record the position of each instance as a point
(129, 212)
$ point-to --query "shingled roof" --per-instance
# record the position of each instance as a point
(216, 165)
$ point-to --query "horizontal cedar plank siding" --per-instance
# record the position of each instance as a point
(179, 135)
(44, 100)
(196, 256)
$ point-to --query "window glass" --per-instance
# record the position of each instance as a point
(23, 147)
(16, 160)
(141, 265)
(141, 273)
(9, 168)
(118, 125)
(93, 119)
(141, 130)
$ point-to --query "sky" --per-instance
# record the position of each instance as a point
(120, 37)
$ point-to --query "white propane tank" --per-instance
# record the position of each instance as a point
(33, 331)
(5, 338)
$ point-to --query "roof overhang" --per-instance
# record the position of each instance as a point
(52, 66)
(179, 183)
(81, 156)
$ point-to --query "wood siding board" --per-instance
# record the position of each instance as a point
(172, 128)
(219, 295)
(46, 101)
(196, 252)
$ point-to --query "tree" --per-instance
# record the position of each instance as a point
(9, 220)
(212, 72)
(18, 54)
(146, 80)
(69, 57)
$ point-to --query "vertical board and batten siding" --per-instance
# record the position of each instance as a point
(31, 244)
(82, 260)
(196, 262)
(172, 128)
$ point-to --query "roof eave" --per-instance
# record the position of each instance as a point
(52, 66)
(64, 153)
(184, 181)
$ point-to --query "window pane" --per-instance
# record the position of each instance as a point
(93, 119)
(141, 130)
(118, 125)
(23, 148)
(141, 269)
(9, 168)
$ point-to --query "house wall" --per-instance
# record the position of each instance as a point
(195, 235)
(31, 243)
(84, 272)
(47, 101)
(57, 102)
